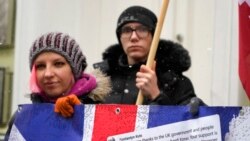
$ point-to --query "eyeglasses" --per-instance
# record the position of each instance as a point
(141, 32)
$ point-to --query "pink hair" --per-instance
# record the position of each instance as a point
(34, 88)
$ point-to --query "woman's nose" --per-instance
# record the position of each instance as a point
(48, 72)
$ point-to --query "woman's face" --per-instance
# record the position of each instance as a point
(53, 73)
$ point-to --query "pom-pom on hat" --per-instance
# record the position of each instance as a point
(62, 44)
(136, 14)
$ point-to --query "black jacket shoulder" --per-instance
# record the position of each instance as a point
(172, 56)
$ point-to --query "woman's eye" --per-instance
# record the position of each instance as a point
(142, 29)
(59, 64)
(127, 30)
(40, 66)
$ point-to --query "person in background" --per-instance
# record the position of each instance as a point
(124, 62)
(57, 67)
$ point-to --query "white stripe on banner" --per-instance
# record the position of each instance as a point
(89, 118)
(15, 135)
(239, 127)
(141, 117)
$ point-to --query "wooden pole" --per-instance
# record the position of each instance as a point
(154, 44)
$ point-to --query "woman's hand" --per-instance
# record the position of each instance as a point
(65, 105)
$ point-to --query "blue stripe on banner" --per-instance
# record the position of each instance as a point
(162, 115)
(45, 125)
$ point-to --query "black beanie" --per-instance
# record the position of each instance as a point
(136, 14)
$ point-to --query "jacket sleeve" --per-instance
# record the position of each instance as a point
(181, 93)
(175, 90)
(172, 60)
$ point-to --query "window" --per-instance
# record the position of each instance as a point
(7, 10)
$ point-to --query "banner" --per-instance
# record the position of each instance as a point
(244, 44)
(38, 122)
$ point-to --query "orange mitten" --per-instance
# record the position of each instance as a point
(65, 105)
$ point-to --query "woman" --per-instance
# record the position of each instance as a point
(57, 75)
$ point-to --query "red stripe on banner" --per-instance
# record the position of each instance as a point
(112, 120)
(244, 46)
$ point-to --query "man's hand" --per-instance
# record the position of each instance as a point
(65, 105)
(146, 81)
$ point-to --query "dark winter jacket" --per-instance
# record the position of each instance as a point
(171, 61)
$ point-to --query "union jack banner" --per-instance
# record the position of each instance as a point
(39, 122)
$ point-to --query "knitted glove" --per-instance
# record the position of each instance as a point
(65, 105)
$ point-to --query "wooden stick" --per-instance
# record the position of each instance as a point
(154, 44)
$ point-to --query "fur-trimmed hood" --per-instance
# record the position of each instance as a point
(169, 56)
(103, 87)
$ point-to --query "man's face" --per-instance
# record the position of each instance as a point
(136, 41)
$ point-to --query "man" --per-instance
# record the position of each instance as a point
(164, 83)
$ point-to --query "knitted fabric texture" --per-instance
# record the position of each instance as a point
(136, 14)
(62, 44)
